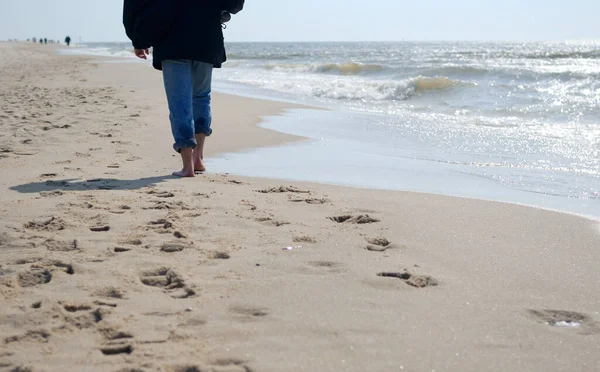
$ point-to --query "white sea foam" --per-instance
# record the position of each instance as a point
(111, 50)
(355, 89)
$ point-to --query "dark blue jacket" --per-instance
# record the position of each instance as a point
(179, 29)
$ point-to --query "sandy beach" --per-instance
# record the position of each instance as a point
(108, 263)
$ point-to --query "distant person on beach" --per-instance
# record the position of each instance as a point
(186, 51)
(68, 40)
(45, 41)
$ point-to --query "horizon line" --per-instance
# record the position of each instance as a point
(369, 41)
(363, 41)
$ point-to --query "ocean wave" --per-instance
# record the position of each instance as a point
(459, 70)
(593, 54)
(265, 57)
(520, 53)
(345, 69)
(383, 90)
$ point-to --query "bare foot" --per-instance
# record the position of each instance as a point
(184, 173)
(199, 165)
(187, 157)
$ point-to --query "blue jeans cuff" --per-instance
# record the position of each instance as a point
(202, 125)
(186, 144)
(204, 130)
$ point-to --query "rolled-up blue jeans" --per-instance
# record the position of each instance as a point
(188, 87)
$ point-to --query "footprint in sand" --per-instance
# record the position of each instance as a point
(132, 241)
(283, 189)
(244, 203)
(62, 245)
(32, 278)
(110, 292)
(73, 308)
(46, 224)
(162, 277)
(219, 255)
(304, 239)
(169, 280)
(25, 153)
(417, 281)
(172, 247)
(116, 349)
(359, 220)
(271, 222)
(314, 201)
(121, 249)
(64, 267)
(105, 304)
(81, 315)
(51, 194)
(112, 334)
(246, 313)
(179, 235)
(161, 194)
(161, 226)
(27, 261)
(582, 323)
(36, 336)
(100, 228)
(9, 242)
(36, 305)
(39, 268)
(161, 204)
(380, 245)
(116, 341)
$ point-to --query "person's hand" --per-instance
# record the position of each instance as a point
(142, 53)
(225, 16)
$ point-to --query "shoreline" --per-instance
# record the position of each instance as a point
(265, 108)
(109, 263)
(282, 123)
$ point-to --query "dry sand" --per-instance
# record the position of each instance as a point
(109, 264)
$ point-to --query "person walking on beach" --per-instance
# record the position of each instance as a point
(187, 41)
(68, 40)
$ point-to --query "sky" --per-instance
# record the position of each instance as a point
(328, 20)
